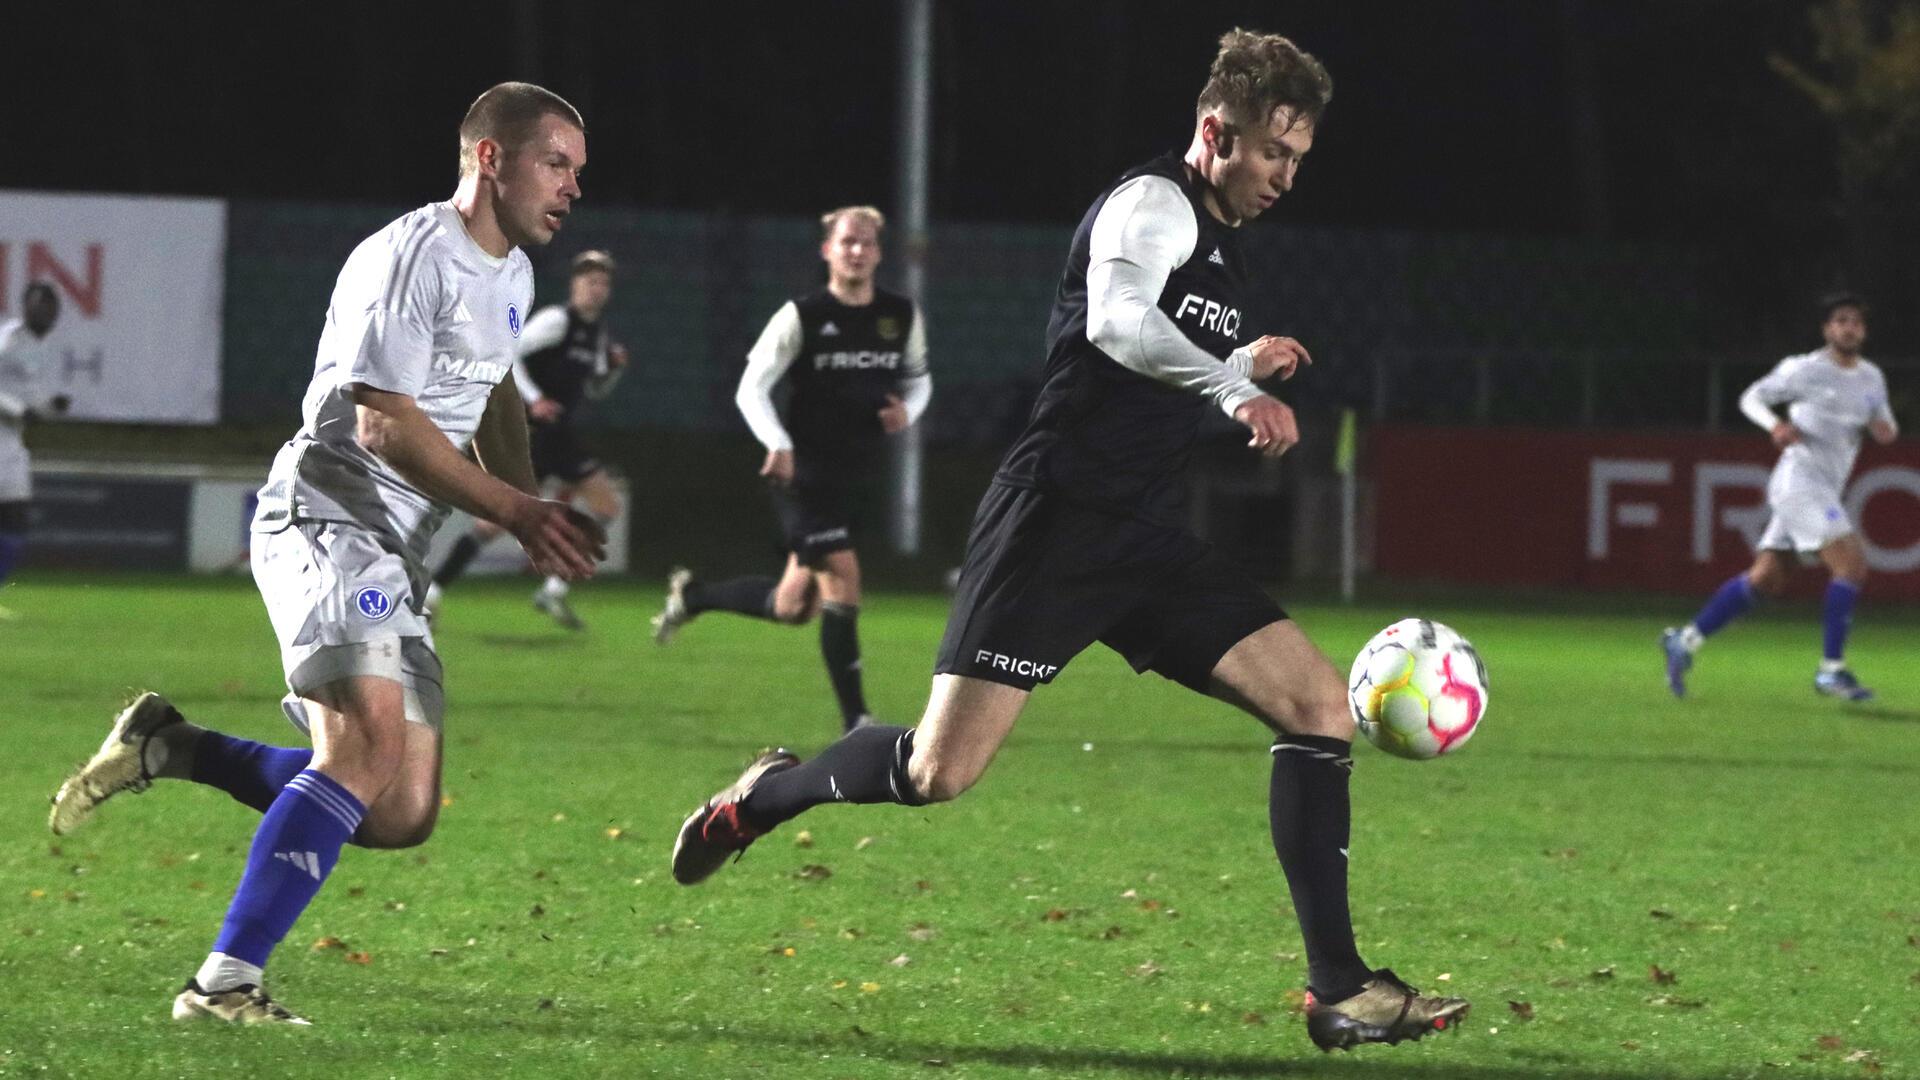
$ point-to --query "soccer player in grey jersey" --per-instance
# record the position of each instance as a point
(25, 356)
(1079, 539)
(414, 366)
(1833, 397)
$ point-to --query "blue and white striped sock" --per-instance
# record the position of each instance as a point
(294, 850)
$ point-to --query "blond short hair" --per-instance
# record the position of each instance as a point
(1255, 74)
(509, 114)
(593, 262)
(870, 214)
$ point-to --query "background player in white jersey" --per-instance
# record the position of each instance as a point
(565, 359)
(1833, 396)
(413, 366)
(24, 359)
(853, 357)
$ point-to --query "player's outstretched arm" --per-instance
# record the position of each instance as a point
(558, 539)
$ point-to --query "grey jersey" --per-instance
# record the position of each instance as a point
(24, 363)
(419, 309)
(1831, 406)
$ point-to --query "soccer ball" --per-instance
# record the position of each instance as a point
(1418, 689)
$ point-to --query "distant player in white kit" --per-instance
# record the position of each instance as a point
(1833, 396)
(25, 354)
(414, 366)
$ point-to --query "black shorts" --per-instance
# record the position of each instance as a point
(1044, 578)
(13, 517)
(815, 519)
(558, 455)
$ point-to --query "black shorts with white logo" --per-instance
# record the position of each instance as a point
(815, 519)
(1045, 577)
(558, 455)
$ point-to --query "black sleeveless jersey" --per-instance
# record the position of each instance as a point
(850, 359)
(1107, 436)
(563, 370)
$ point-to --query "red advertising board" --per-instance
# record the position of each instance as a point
(1669, 513)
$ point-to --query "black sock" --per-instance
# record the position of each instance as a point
(745, 595)
(464, 549)
(1312, 817)
(867, 765)
(840, 648)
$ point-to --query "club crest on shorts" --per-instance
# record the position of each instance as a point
(513, 319)
(373, 602)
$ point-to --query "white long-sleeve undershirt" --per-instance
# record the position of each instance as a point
(1146, 230)
(779, 346)
(547, 328)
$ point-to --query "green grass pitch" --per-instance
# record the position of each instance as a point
(1624, 885)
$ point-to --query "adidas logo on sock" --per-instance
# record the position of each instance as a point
(1216, 259)
(305, 860)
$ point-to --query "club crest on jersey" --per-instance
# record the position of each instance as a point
(373, 602)
(1211, 315)
(513, 319)
(887, 327)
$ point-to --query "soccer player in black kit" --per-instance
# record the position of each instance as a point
(1079, 537)
(854, 357)
(566, 358)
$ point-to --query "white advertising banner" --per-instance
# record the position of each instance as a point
(141, 283)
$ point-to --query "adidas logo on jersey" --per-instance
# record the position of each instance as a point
(829, 330)
(1216, 259)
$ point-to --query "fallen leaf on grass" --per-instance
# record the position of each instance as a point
(1295, 999)
(328, 943)
(536, 912)
(1253, 1018)
(803, 838)
(1629, 1045)
(1661, 976)
(863, 843)
(1521, 1009)
(1054, 915)
(1661, 913)
(900, 961)
(1677, 1002)
(869, 987)
(1146, 971)
(922, 932)
(1831, 1042)
(1601, 973)
(545, 1003)
(359, 958)
(812, 872)
(446, 801)
(852, 933)
(1111, 933)
(616, 833)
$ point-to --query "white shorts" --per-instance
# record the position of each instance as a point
(343, 603)
(1805, 522)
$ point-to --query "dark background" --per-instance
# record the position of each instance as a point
(1624, 118)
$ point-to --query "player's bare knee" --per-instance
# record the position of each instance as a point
(940, 781)
(793, 610)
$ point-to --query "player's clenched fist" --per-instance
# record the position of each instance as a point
(1272, 424)
(1272, 356)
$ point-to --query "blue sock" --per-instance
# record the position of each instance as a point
(1838, 617)
(293, 852)
(1732, 601)
(249, 771)
(12, 545)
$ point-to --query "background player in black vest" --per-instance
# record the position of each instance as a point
(566, 358)
(1079, 537)
(853, 357)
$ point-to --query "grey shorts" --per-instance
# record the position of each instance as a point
(344, 602)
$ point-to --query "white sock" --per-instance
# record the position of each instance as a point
(554, 587)
(1828, 667)
(223, 972)
(1691, 638)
